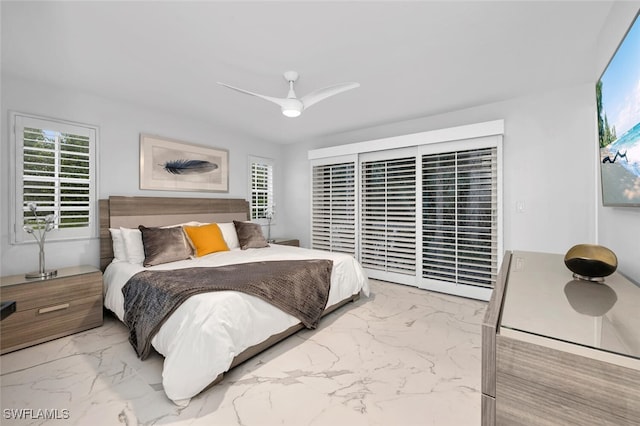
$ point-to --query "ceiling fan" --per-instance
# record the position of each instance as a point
(291, 105)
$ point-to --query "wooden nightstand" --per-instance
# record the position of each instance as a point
(286, 242)
(47, 309)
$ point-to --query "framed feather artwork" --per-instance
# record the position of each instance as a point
(171, 165)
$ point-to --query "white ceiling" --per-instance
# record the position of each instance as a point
(412, 59)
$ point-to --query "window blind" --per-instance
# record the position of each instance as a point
(388, 215)
(460, 217)
(55, 170)
(56, 176)
(333, 214)
(262, 206)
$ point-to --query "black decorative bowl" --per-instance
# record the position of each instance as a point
(590, 262)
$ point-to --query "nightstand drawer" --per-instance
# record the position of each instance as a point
(54, 291)
(29, 327)
(50, 308)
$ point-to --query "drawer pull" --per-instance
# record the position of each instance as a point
(53, 308)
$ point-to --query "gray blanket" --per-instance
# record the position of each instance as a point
(298, 287)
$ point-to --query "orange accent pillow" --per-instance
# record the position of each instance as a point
(206, 239)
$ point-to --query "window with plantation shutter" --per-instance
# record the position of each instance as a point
(55, 169)
(460, 217)
(388, 216)
(428, 207)
(261, 181)
(333, 211)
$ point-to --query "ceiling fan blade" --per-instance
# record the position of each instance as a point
(278, 101)
(320, 94)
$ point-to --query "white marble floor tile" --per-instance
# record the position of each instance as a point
(404, 356)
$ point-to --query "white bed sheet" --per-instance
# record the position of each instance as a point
(201, 338)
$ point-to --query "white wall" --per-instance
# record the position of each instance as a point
(549, 146)
(118, 156)
(548, 164)
(618, 227)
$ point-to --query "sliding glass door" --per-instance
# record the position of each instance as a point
(388, 217)
(460, 221)
(427, 216)
(333, 208)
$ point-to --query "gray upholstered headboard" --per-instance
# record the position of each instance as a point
(129, 212)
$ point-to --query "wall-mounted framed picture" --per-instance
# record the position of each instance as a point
(171, 165)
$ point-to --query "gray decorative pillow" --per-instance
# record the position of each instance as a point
(250, 235)
(164, 245)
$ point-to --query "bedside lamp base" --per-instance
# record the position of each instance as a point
(42, 275)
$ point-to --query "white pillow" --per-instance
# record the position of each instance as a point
(133, 246)
(230, 235)
(183, 224)
(119, 254)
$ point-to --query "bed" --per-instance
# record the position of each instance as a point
(211, 332)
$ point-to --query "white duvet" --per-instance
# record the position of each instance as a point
(201, 338)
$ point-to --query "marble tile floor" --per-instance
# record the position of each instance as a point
(403, 356)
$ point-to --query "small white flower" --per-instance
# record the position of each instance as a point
(41, 224)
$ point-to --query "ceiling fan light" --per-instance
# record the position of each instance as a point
(291, 112)
(292, 108)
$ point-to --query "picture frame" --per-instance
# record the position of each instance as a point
(172, 165)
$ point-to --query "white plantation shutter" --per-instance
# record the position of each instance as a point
(261, 175)
(460, 217)
(428, 209)
(388, 216)
(55, 168)
(333, 210)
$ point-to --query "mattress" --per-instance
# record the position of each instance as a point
(201, 338)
